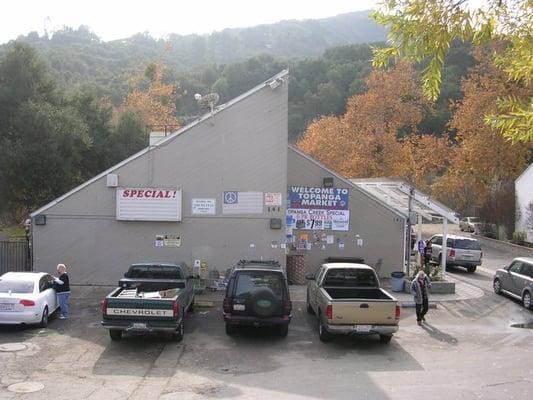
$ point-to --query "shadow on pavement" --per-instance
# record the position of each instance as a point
(439, 335)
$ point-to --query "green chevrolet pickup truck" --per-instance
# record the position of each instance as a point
(151, 298)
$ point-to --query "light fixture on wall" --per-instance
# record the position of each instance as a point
(275, 83)
(327, 182)
(40, 219)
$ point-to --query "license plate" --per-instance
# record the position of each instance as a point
(239, 307)
(139, 325)
(363, 328)
(6, 307)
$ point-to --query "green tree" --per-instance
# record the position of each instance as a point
(129, 135)
(423, 31)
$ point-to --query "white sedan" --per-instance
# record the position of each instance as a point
(27, 298)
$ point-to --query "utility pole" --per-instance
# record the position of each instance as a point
(408, 233)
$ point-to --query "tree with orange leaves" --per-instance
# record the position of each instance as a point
(376, 137)
(153, 99)
(484, 162)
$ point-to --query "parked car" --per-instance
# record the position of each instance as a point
(347, 299)
(468, 224)
(257, 295)
(152, 297)
(516, 280)
(27, 298)
(461, 251)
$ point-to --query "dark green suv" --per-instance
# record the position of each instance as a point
(257, 295)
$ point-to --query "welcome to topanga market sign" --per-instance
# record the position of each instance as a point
(317, 208)
(318, 198)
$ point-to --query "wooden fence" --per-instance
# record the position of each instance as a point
(14, 256)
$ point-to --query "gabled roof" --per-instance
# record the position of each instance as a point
(277, 79)
(349, 183)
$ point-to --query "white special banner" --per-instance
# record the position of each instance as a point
(148, 204)
(303, 218)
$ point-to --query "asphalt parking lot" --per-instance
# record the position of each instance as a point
(469, 349)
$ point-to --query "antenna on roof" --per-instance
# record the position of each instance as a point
(209, 101)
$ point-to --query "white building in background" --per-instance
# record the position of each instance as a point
(524, 203)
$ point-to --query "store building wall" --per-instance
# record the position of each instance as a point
(241, 148)
(379, 227)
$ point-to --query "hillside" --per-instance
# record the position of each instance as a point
(79, 57)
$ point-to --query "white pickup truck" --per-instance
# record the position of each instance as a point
(347, 299)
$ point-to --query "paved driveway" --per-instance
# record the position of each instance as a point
(467, 350)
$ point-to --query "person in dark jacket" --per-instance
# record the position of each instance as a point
(63, 290)
(420, 289)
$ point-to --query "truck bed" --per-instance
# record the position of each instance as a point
(357, 293)
(372, 306)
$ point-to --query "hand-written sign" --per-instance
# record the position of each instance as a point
(148, 204)
(318, 198)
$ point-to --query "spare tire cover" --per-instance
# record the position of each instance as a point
(264, 302)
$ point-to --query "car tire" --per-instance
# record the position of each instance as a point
(323, 334)
(526, 300)
(44, 318)
(385, 338)
(115, 334)
(471, 269)
(230, 329)
(283, 330)
(308, 305)
(178, 334)
(497, 286)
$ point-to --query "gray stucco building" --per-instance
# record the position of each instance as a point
(223, 188)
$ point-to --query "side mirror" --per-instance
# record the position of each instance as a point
(125, 274)
(310, 276)
(507, 268)
(192, 276)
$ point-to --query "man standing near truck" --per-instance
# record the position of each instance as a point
(420, 289)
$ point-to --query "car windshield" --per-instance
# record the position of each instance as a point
(467, 244)
(16, 286)
(249, 281)
(350, 278)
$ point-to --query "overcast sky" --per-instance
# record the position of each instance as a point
(116, 19)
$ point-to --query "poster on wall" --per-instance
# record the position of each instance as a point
(204, 206)
(273, 199)
(148, 204)
(242, 203)
(318, 208)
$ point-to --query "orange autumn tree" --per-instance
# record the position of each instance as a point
(153, 99)
(376, 137)
(484, 162)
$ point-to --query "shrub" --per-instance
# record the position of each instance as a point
(519, 238)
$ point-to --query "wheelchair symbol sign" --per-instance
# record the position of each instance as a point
(231, 198)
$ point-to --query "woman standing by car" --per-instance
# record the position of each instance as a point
(63, 290)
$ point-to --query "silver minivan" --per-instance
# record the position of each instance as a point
(461, 251)
(516, 280)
